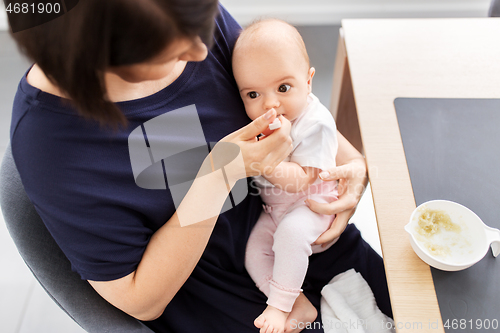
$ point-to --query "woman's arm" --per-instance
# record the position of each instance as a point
(174, 251)
(353, 178)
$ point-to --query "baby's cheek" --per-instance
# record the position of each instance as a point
(295, 110)
(252, 112)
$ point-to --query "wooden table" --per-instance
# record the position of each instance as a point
(377, 61)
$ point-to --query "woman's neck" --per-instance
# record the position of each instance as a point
(36, 77)
(118, 90)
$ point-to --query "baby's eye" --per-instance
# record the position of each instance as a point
(284, 88)
(253, 94)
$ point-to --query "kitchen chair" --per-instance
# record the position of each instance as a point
(50, 266)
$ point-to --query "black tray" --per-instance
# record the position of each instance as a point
(452, 149)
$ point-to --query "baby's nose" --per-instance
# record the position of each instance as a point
(271, 102)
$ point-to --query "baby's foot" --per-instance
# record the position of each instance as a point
(271, 320)
(303, 312)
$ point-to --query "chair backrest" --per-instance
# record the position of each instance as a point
(494, 8)
(50, 266)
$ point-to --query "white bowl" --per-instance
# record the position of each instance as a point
(464, 248)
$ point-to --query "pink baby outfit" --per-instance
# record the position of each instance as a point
(278, 249)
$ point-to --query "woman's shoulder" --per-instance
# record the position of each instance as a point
(226, 33)
(227, 26)
(37, 96)
(37, 78)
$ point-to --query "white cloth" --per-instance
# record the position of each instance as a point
(314, 138)
(348, 306)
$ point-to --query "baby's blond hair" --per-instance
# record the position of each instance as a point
(283, 32)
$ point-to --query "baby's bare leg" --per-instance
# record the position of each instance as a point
(272, 320)
(303, 312)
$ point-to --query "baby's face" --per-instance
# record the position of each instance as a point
(273, 77)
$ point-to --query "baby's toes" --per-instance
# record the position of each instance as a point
(266, 328)
(259, 322)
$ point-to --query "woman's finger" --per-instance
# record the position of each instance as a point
(342, 186)
(277, 136)
(342, 204)
(337, 228)
(250, 131)
(327, 237)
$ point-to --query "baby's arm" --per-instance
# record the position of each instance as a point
(292, 177)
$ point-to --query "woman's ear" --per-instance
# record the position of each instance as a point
(310, 75)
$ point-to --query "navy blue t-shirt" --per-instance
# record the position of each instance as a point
(79, 175)
(80, 179)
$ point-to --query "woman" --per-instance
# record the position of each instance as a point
(101, 71)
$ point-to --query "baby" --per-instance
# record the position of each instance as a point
(271, 67)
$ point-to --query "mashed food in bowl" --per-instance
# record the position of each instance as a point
(433, 221)
(438, 233)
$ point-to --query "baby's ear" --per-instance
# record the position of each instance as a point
(310, 75)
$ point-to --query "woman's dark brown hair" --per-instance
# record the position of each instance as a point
(75, 49)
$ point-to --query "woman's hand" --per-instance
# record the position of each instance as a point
(352, 177)
(262, 156)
